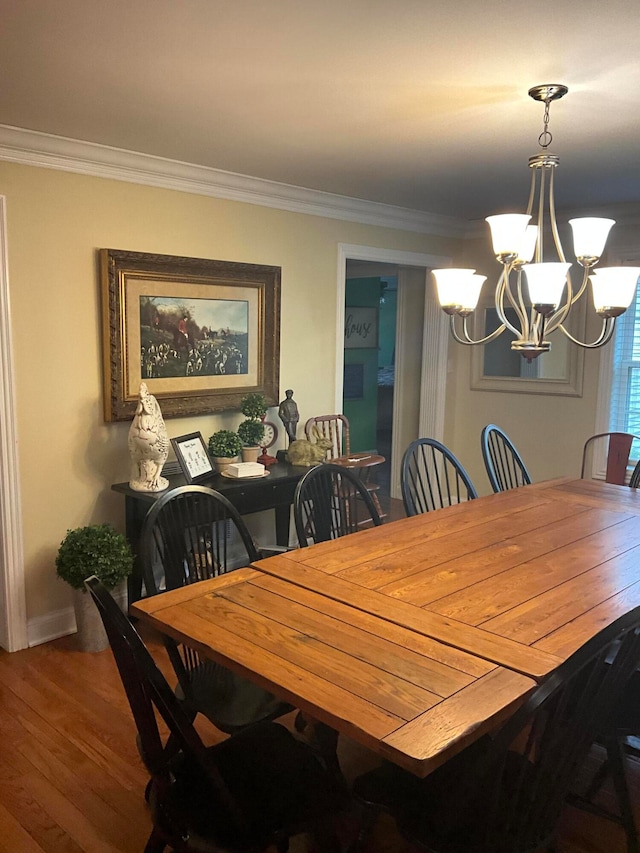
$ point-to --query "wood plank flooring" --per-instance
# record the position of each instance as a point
(71, 780)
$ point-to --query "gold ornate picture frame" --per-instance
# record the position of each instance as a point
(200, 333)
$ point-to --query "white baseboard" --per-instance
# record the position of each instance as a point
(60, 623)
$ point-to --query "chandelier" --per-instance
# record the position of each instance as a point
(542, 305)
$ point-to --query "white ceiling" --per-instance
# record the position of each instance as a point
(412, 103)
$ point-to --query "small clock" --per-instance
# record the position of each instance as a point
(269, 438)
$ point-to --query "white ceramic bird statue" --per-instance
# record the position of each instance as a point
(148, 444)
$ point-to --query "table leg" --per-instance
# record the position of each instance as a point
(283, 519)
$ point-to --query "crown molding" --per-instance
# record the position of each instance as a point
(33, 148)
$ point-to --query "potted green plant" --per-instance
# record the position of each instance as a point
(251, 431)
(96, 549)
(224, 447)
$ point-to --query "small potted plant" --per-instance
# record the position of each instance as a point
(224, 447)
(251, 431)
(99, 550)
(251, 434)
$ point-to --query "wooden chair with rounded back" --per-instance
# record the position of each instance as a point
(503, 463)
(335, 428)
(618, 452)
(186, 537)
(433, 478)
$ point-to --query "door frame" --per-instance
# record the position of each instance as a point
(434, 343)
(13, 610)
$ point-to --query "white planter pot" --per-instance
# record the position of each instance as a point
(91, 636)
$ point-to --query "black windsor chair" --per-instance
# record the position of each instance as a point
(187, 534)
(504, 465)
(251, 791)
(432, 478)
(327, 502)
(505, 793)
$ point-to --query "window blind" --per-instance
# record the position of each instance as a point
(624, 415)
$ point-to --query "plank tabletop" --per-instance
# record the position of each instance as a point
(521, 578)
(411, 698)
(418, 636)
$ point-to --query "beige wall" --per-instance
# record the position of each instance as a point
(69, 457)
(56, 221)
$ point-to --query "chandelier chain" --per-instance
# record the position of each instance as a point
(545, 138)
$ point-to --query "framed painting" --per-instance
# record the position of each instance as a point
(200, 333)
(191, 453)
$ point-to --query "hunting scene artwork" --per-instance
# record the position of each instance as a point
(200, 334)
(201, 337)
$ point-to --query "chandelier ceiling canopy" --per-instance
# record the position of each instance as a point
(542, 299)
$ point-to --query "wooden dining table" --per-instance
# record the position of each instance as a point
(418, 636)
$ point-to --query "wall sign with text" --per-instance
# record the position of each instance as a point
(360, 327)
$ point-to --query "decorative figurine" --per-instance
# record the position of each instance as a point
(148, 445)
(288, 414)
(305, 453)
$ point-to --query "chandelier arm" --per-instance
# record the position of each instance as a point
(582, 288)
(608, 325)
(504, 286)
(552, 218)
(532, 192)
(467, 340)
(559, 316)
(540, 241)
(537, 327)
(540, 329)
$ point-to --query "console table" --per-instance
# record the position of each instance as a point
(248, 496)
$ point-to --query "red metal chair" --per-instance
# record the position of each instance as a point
(618, 453)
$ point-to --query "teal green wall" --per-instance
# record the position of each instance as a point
(363, 414)
(387, 329)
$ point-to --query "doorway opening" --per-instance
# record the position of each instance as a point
(409, 361)
(371, 306)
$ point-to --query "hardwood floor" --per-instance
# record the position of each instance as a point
(71, 779)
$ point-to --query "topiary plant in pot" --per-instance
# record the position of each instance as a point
(224, 446)
(254, 407)
(251, 433)
(96, 549)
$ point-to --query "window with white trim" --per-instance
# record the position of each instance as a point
(624, 409)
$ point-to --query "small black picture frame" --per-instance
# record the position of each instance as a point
(191, 453)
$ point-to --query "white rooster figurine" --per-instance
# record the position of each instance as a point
(148, 445)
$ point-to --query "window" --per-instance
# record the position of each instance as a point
(624, 412)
